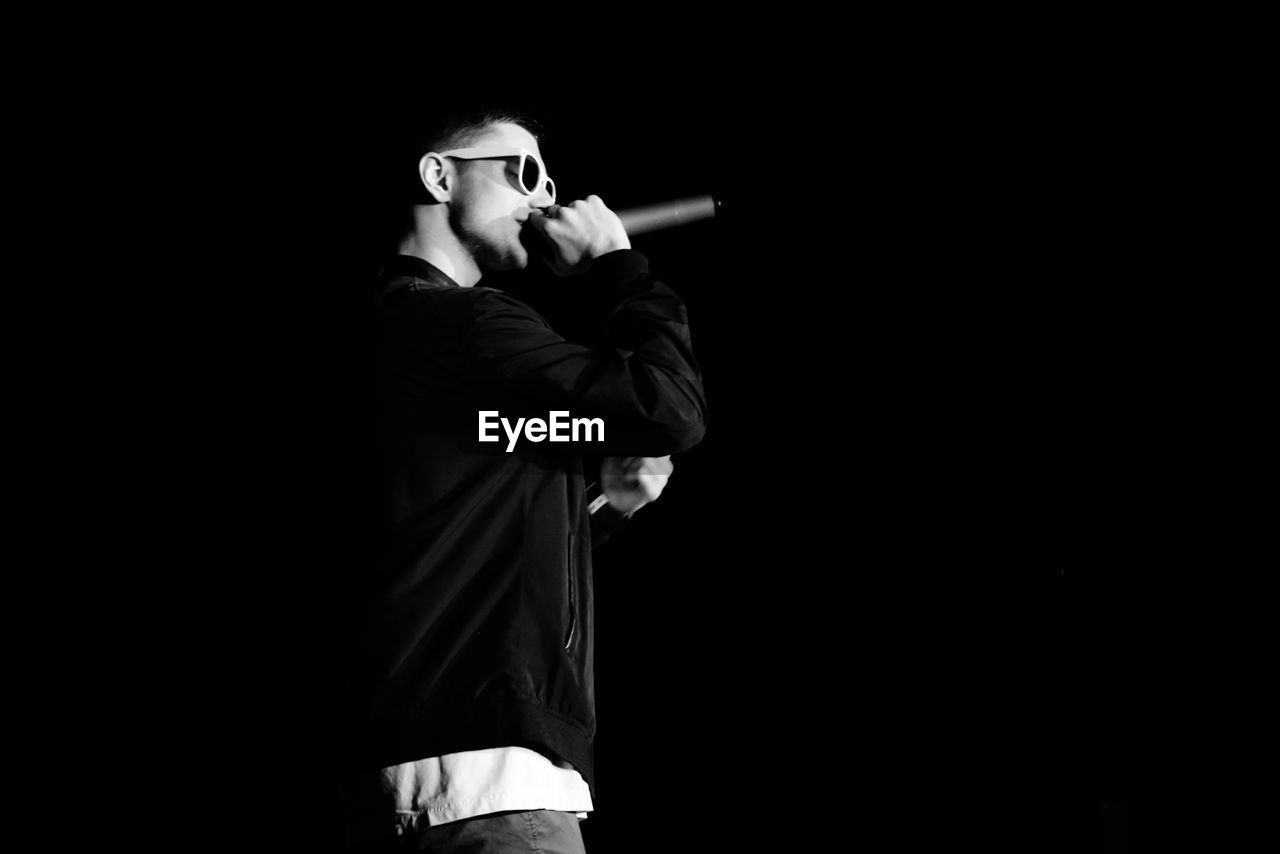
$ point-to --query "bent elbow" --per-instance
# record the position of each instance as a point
(685, 429)
(689, 437)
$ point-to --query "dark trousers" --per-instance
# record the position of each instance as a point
(534, 832)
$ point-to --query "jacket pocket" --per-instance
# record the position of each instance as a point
(571, 574)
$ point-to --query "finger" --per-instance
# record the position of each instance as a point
(653, 486)
(538, 222)
(656, 465)
(564, 219)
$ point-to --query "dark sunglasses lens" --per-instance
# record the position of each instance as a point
(530, 174)
(551, 190)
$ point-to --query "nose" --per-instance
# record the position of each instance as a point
(542, 197)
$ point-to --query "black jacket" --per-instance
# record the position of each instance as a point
(475, 628)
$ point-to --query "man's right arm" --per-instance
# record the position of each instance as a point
(651, 399)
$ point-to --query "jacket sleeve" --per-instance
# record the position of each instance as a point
(646, 387)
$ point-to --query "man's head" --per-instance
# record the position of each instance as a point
(470, 182)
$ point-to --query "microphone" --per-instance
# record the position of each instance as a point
(668, 214)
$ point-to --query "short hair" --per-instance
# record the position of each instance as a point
(445, 130)
(465, 130)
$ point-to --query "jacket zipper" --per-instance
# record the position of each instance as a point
(570, 565)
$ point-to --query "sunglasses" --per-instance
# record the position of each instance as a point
(533, 175)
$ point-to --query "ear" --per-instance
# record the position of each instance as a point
(437, 176)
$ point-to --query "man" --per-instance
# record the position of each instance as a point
(469, 681)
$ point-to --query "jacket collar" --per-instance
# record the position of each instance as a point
(411, 266)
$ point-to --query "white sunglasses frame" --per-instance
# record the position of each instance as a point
(501, 153)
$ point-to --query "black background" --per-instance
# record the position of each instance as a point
(973, 550)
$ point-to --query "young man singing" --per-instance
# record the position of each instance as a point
(468, 679)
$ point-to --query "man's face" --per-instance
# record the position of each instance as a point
(488, 208)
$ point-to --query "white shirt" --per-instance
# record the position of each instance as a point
(415, 795)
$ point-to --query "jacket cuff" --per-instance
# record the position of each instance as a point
(620, 265)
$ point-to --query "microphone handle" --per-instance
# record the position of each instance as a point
(668, 214)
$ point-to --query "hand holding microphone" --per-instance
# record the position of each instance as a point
(575, 234)
(572, 255)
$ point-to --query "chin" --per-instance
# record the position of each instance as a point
(519, 260)
(510, 262)
(516, 257)
(502, 258)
